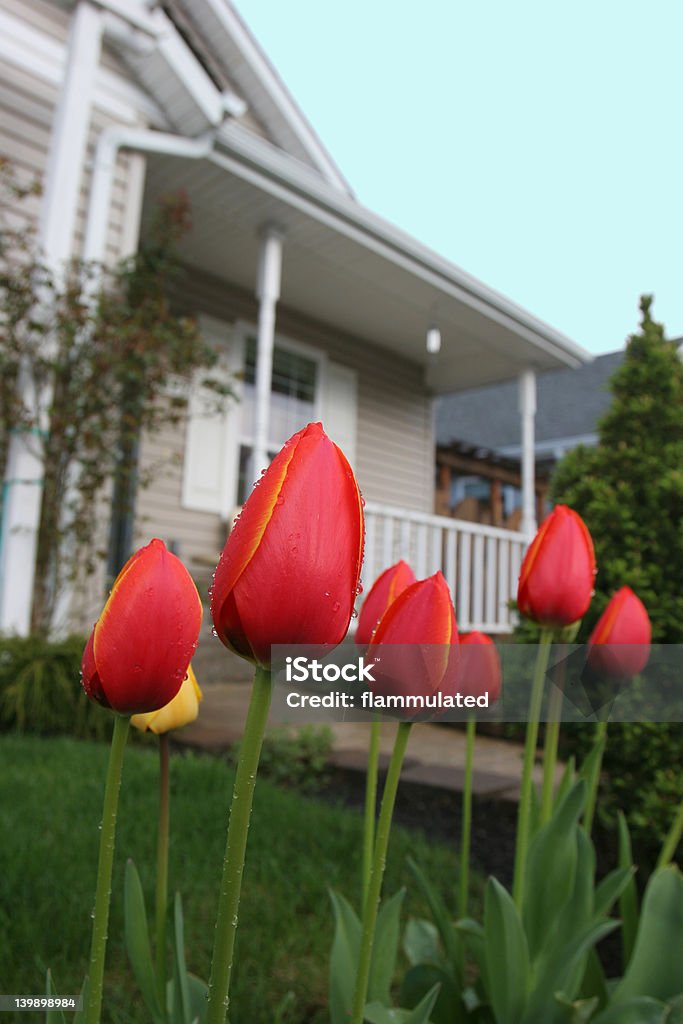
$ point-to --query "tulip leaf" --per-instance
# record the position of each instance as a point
(137, 940)
(452, 942)
(420, 981)
(385, 949)
(79, 1015)
(181, 987)
(611, 888)
(577, 1012)
(656, 966)
(564, 970)
(421, 942)
(507, 955)
(376, 1013)
(343, 959)
(566, 781)
(551, 871)
(53, 1015)
(199, 995)
(628, 901)
(593, 983)
(641, 1010)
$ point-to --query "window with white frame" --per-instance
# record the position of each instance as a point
(294, 402)
(218, 469)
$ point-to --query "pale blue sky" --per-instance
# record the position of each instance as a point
(537, 144)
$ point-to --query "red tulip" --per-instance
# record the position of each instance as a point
(556, 579)
(619, 645)
(289, 571)
(384, 592)
(412, 648)
(141, 646)
(478, 666)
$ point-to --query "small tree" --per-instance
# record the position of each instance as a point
(118, 361)
(629, 487)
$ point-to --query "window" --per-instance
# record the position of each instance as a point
(294, 402)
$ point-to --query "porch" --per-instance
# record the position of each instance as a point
(480, 563)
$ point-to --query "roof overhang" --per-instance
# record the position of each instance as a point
(348, 268)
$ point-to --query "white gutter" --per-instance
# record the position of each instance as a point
(274, 172)
(110, 142)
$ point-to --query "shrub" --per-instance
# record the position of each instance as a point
(295, 758)
(40, 689)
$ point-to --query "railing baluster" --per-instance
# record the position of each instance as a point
(478, 581)
(451, 566)
(464, 590)
(492, 545)
(503, 616)
(421, 552)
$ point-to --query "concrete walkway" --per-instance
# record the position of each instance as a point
(435, 756)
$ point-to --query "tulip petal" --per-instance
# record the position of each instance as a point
(147, 633)
(289, 571)
(384, 591)
(180, 711)
(89, 678)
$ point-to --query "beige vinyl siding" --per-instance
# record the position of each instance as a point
(49, 18)
(395, 457)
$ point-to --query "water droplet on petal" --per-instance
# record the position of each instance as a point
(336, 606)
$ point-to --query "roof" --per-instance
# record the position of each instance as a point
(343, 265)
(569, 405)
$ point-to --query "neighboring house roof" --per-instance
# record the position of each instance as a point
(569, 405)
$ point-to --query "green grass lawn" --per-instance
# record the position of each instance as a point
(50, 805)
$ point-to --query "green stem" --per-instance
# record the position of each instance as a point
(370, 810)
(98, 948)
(233, 866)
(379, 861)
(593, 779)
(552, 737)
(162, 869)
(672, 840)
(524, 814)
(466, 818)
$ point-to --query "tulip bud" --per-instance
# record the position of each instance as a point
(413, 646)
(557, 574)
(182, 710)
(619, 646)
(140, 648)
(478, 666)
(290, 569)
(384, 592)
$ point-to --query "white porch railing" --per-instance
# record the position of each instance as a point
(481, 563)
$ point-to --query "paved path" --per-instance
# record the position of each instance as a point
(435, 756)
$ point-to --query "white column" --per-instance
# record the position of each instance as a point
(527, 411)
(267, 292)
(23, 480)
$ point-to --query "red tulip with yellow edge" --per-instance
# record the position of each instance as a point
(288, 574)
(141, 646)
(385, 590)
(421, 621)
(557, 575)
(478, 666)
(619, 645)
(182, 710)
(411, 652)
(290, 569)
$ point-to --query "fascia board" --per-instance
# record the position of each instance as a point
(291, 181)
(254, 57)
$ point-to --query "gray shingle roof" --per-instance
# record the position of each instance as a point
(569, 404)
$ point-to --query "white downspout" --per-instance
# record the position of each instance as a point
(267, 293)
(110, 142)
(527, 410)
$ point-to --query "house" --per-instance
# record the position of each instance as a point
(326, 310)
(479, 441)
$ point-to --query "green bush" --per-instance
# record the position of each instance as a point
(629, 487)
(40, 690)
(295, 758)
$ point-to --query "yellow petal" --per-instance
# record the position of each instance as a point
(182, 710)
